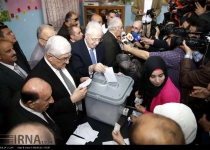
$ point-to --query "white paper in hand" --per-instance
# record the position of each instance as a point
(138, 101)
(86, 83)
(116, 128)
(109, 75)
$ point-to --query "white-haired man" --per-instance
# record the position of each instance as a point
(110, 41)
(52, 68)
(88, 54)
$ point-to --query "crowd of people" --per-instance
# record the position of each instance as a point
(169, 65)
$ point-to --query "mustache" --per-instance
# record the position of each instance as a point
(14, 55)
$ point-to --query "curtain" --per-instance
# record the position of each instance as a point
(54, 11)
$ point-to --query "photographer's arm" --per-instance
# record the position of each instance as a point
(135, 51)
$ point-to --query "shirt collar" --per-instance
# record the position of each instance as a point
(9, 66)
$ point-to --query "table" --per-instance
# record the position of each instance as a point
(105, 130)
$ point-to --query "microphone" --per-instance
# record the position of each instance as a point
(126, 38)
(136, 36)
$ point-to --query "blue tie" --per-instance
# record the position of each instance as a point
(92, 56)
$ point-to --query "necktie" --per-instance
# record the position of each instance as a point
(67, 81)
(69, 84)
(19, 71)
(51, 123)
(92, 56)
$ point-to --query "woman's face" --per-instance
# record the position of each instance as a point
(157, 77)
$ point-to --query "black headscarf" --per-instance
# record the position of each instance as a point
(146, 88)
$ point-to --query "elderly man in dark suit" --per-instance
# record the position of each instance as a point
(12, 73)
(111, 43)
(88, 54)
(63, 81)
(30, 105)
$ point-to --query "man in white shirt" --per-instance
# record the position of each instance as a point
(110, 14)
(140, 8)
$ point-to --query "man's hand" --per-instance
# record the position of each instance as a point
(78, 94)
(205, 124)
(127, 47)
(141, 13)
(147, 41)
(118, 138)
(99, 67)
(200, 10)
(139, 44)
(186, 48)
(83, 79)
(140, 108)
(201, 92)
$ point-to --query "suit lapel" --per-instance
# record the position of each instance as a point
(86, 54)
(19, 63)
(11, 74)
(51, 75)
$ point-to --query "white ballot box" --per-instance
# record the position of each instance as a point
(105, 101)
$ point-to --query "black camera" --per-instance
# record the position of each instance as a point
(165, 30)
(193, 43)
(151, 12)
(172, 6)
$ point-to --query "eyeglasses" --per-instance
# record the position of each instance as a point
(63, 60)
(95, 39)
(134, 28)
(43, 39)
(75, 19)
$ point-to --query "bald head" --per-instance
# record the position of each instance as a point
(137, 26)
(35, 85)
(37, 95)
(35, 131)
(97, 18)
(153, 129)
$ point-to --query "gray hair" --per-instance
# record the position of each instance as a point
(114, 22)
(41, 28)
(93, 26)
(57, 45)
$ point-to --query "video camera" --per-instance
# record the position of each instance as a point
(151, 12)
(193, 43)
(165, 30)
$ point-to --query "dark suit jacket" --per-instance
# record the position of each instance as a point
(10, 83)
(20, 55)
(112, 50)
(81, 58)
(16, 114)
(63, 111)
(64, 31)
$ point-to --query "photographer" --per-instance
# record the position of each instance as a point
(155, 45)
(140, 9)
(172, 58)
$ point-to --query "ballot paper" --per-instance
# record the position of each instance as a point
(74, 140)
(85, 131)
(109, 75)
(116, 127)
(114, 143)
(86, 83)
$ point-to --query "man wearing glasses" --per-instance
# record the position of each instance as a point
(70, 19)
(44, 32)
(110, 40)
(88, 54)
(65, 110)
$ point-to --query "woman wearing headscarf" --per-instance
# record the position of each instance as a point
(155, 87)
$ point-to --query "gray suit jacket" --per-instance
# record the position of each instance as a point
(37, 55)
